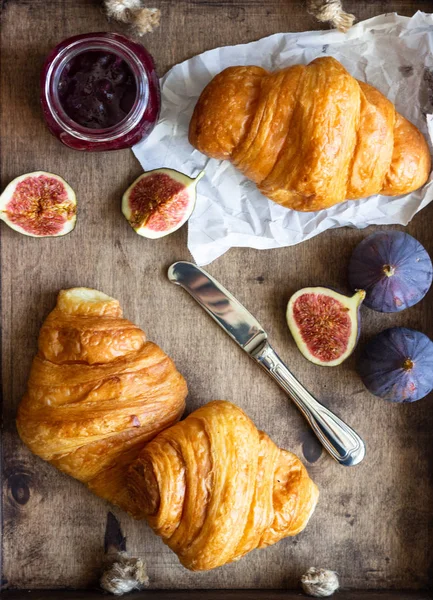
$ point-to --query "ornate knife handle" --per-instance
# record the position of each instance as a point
(342, 443)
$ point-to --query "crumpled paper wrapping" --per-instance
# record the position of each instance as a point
(391, 52)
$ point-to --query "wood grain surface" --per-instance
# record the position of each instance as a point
(373, 523)
(213, 595)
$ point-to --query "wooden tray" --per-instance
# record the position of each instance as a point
(374, 523)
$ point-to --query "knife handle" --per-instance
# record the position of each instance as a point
(343, 444)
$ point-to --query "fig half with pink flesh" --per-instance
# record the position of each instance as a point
(39, 204)
(160, 202)
(325, 324)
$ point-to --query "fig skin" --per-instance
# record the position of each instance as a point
(336, 317)
(39, 204)
(393, 268)
(397, 365)
(164, 203)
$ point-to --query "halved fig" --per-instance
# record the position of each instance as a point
(39, 204)
(324, 324)
(160, 202)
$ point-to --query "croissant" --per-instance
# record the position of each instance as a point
(97, 392)
(214, 487)
(309, 136)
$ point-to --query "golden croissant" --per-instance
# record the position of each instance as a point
(309, 136)
(97, 392)
(214, 487)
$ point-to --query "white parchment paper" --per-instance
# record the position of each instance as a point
(393, 53)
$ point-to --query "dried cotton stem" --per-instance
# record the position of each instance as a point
(331, 11)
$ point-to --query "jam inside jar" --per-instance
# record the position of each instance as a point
(100, 92)
(97, 89)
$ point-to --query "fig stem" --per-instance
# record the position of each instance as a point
(408, 364)
(360, 296)
(389, 270)
(199, 176)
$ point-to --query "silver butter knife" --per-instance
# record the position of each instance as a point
(342, 443)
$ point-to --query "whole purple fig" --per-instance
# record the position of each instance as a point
(397, 365)
(393, 268)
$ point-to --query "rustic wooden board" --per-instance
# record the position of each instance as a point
(214, 595)
(374, 523)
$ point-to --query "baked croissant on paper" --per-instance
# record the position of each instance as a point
(97, 392)
(309, 136)
(214, 487)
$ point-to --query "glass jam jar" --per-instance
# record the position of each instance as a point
(100, 91)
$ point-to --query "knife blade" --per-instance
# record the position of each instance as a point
(340, 440)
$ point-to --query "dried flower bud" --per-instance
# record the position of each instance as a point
(143, 20)
(332, 11)
(319, 582)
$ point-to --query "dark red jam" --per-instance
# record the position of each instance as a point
(97, 89)
(100, 91)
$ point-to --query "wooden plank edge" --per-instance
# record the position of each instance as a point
(216, 595)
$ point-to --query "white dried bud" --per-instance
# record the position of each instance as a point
(319, 582)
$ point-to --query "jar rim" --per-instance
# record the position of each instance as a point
(68, 49)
